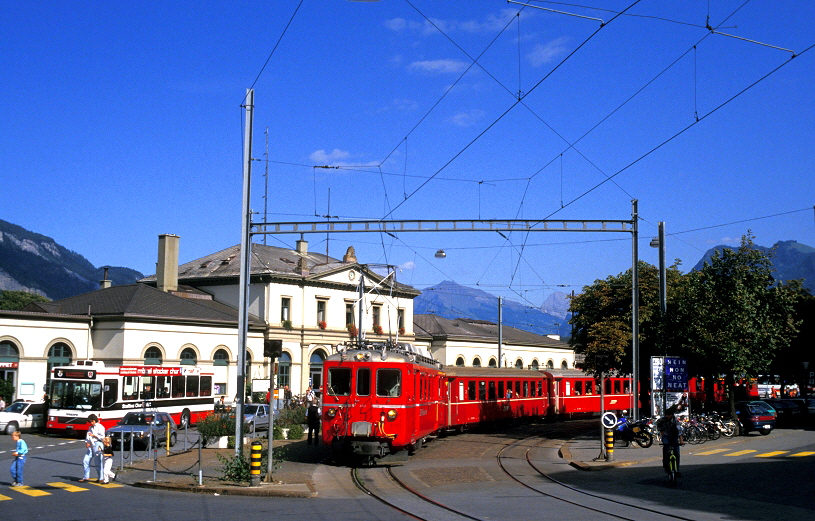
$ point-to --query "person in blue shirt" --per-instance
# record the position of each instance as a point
(18, 464)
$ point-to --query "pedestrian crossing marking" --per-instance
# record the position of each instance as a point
(799, 454)
(66, 486)
(741, 452)
(106, 485)
(771, 454)
(709, 452)
(28, 491)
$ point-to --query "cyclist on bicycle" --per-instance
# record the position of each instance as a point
(670, 432)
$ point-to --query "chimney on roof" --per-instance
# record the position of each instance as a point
(350, 256)
(105, 283)
(302, 252)
(167, 265)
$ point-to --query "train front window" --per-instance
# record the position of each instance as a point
(76, 395)
(364, 382)
(339, 381)
(389, 382)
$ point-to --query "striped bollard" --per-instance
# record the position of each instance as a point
(254, 464)
(609, 444)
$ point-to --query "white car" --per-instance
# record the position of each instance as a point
(23, 416)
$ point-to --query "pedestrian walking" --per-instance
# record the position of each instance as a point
(107, 457)
(93, 450)
(313, 418)
(286, 397)
(18, 463)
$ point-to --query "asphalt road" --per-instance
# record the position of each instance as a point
(752, 477)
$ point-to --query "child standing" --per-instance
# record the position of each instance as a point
(18, 464)
(107, 455)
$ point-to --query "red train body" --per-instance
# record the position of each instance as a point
(381, 402)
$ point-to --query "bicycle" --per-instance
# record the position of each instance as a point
(673, 466)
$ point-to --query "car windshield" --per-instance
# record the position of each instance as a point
(16, 407)
(136, 419)
(253, 409)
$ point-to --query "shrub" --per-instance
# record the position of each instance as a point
(296, 432)
(295, 416)
(277, 432)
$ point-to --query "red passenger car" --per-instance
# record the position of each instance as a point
(486, 394)
(573, 393)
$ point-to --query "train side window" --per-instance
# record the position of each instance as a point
(526, 389)
(471, 390)
(501, 389)
(339, 381)
(626, 387)
(517, 388)
(589, 385)
(482, 390)
(389, 382)
(616, 387)
(578, 388)
(509, 390)
(540, 388)
(608, 386)
(491, 390)
(363, 382)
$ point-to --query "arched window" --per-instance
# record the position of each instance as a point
(550, 364)
(59, 355)
(9, 354)
(460, 361)
(534, 365)
(284, 370)
(221, 357)
(564, 365)
(188, 356)
(519, 364)
(153, 356)
(315, 370)
(493, 363)
(477, 362)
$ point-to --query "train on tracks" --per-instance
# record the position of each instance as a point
(380, 402)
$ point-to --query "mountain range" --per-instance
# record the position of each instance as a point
(37, 264)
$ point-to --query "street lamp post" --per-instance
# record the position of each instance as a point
(659, 242)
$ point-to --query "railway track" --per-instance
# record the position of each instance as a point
(524, 489)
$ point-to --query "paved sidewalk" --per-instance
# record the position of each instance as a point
(584, 453)
(180, 471)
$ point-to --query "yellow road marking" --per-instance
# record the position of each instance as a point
(4, 498)
(28, 491)
(106, 485)
(741, 452)
(799, 454)
(67, 486)
(709, 452)
(771, 454)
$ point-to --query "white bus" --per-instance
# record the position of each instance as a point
(89, 387)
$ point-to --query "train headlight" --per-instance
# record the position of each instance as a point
(392, 414)
(331, 412)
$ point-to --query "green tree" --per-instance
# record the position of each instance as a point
(731, 317)
(602, 320)
(17, 300)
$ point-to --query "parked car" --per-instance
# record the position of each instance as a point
(141, 424)
(23, 416)
(756, 416)
(256, 417)
(791, 412)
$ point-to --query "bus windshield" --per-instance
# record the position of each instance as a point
(76, 395)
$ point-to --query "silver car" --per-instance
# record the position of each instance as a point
(23, 416)
(256, 417)
(141, 424)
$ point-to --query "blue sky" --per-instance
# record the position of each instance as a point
(123, 122)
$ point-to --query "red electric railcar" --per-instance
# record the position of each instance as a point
(382, 401)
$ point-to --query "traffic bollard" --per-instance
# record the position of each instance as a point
(254, 464)
(609, 445)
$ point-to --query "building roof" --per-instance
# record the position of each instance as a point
(434, 326)
(272, 261)
(141, 301)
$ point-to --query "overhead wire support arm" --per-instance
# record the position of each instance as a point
(602, 23)
(445, 225)
(714, 31)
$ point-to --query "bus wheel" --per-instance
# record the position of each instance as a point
(185, 419)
